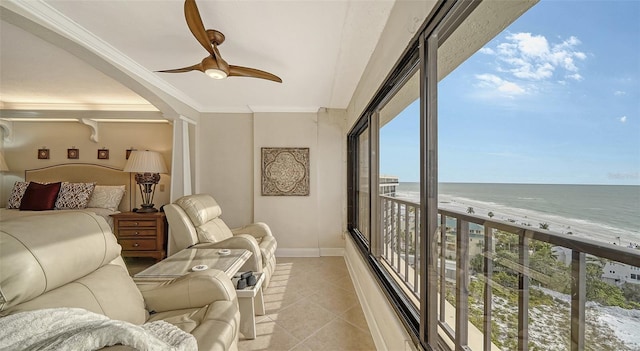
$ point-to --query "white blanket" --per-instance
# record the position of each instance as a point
(78, 329)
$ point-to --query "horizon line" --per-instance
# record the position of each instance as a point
(515, 183)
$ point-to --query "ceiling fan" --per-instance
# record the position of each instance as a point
(214, 65)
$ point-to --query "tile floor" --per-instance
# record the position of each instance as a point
(310, 304)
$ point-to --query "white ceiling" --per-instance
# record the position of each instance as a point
(318, 48)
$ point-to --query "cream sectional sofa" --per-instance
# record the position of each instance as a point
(73, 260)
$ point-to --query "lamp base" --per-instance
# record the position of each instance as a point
(147, 209)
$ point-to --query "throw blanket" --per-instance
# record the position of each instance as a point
(78, 329)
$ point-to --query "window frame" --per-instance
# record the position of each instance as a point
(421, 52)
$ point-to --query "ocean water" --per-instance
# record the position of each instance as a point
(605, 212)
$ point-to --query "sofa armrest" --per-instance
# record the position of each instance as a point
(196, 289)
(257, 230)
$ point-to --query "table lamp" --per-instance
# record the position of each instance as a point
(147, 165)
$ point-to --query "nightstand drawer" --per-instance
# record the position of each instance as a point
(137, 232)
(141, 234)
(142, 244)
(140, 223)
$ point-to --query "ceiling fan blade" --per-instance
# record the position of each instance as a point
(196, 67)
(196, 26)
(238, 71)
(220, 62)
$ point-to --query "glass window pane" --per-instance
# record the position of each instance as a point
(363, 184)
(399, 189)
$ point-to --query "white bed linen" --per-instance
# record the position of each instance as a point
(14, 213)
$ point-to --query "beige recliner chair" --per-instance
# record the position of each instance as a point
(73, 260)
(194, 220)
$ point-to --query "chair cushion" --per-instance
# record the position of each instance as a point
(268, 245)
(213, 231)
(200, 208)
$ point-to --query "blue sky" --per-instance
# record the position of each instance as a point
(553, 99)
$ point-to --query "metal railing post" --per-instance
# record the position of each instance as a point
(443, 265)
(398, 234)
(416, 250)
(406, 241)
(523, 291)
(462, 284)
(488, 293)
(578, 299)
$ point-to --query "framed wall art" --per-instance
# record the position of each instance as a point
(103, 154)
(73, 153)
(43, 154)
(285, 171)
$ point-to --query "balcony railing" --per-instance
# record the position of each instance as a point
(506, 260)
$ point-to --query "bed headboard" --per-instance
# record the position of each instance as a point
(84, 173)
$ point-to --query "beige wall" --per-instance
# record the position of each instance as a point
(404, 20)
(21, 151)
(224, 165)
(332, 178)
(228, 168)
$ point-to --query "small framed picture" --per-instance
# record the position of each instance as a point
(103, 154)
(129, 153)
(73, 154)
(43, 154)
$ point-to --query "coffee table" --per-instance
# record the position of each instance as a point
(182, 263)
(251, 302)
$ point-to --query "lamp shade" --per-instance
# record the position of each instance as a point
(3, 165)
(145, 162)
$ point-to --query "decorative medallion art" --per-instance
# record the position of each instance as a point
(285, 171)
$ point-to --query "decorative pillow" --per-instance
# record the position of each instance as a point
(106, 196)
(16, 194)
(39, 197)
(74, 195)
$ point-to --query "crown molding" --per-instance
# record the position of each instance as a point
(229, 109)
(285, 109)
(263, 109)
(74, 115)
(43, 14)
(75, 107)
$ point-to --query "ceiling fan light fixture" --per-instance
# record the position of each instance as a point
(216, 73)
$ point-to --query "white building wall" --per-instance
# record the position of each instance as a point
(619, 273)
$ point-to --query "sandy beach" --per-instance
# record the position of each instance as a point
(557, 224)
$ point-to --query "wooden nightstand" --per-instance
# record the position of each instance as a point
(141, 234)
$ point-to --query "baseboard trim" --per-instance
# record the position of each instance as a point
(299, 252)
(331, 251)
(306, 252)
